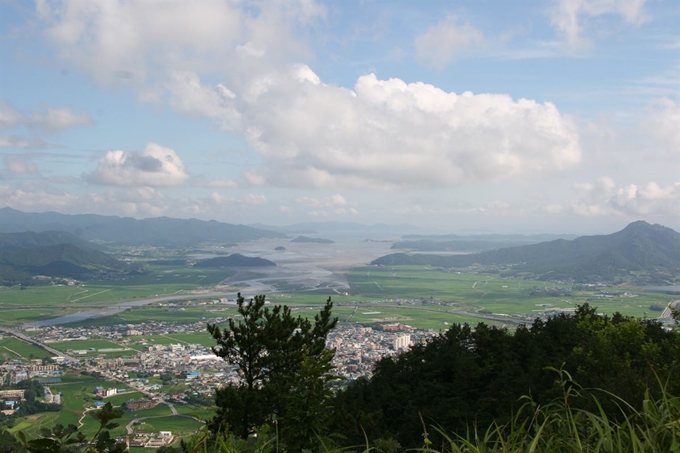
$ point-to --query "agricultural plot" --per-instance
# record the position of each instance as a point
(40, 302)
(476, 295)
(14, 348)
(179, 425)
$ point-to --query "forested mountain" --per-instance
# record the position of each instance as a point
(26, 239)
(653, 250)
(235, 260)
(472, 243)
(19, 266)
(162, 231)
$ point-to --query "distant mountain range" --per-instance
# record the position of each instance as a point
(52, 254)
(642, 252)
(472, 243)
(159, 231)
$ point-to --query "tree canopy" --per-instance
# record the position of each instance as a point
(284, 367)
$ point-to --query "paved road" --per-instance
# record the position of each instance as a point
(28, 339)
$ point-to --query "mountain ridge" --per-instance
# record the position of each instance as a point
(639, 247)
(159, 231)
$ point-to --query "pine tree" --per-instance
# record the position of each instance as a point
(285, 367)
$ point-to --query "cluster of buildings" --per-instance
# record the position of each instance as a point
(13, 371)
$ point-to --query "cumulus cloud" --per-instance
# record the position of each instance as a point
(441, 44)
(605, 197)
(19, 166)
(236, 65)
(389, 133)
(155, 166)
(568, 15)
(135, 41)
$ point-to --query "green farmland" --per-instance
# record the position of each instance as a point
(13, 348)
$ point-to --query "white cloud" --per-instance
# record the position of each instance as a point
(155, 166)
(60, 118)
(38, 197)
(188, 96)
(254, 179)
(443, 43)
(10, 116)
(239, 69)
(568, 15)
(135, 42)
(605, 197)
(389, 133)
(47, 119)
(332, 201)
(19, 166)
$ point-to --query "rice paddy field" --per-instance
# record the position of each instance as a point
(422, 296)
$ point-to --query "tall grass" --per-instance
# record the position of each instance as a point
(557, 427)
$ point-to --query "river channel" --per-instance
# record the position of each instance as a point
(306, 265)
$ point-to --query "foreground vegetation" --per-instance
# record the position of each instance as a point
(555, 427)
(583, 382)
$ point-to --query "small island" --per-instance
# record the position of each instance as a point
(235, 260)
(280, 248)
(312, 240)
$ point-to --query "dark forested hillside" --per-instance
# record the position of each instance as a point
(163, 231)
(476, 376)
(26, 239)
(640, 247)
(21, 260)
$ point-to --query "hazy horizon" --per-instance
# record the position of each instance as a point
(553, 117)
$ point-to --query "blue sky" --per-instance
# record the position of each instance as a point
(489, 116)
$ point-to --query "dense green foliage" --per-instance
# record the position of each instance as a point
(640, 247)
(53, 254)
(467, 375)
(285, 369)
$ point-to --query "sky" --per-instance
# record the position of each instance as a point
(558, 116)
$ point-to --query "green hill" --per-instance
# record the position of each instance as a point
(235, 260)
(21, 265)
(646, 253)
(27, 239)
